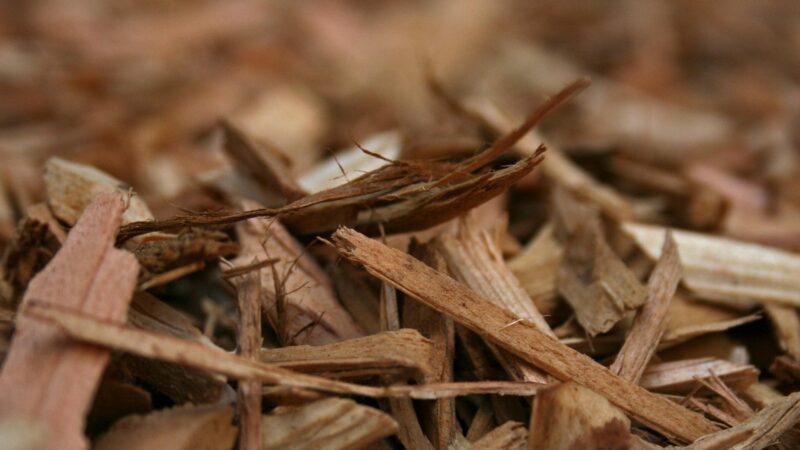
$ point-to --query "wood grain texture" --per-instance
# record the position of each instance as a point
(45, 374)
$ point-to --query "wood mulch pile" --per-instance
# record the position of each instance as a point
(426, 225)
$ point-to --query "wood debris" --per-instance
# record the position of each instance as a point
(72, 187)
(681, 376)
(524, 340)
(331, 424)
(508, 436)
(182, 428)
(592, 278)
(295, 293)
(431, 225)
(474, 259)
(648, 326)
(569, 415)
(725, 270)
(44, 372)
(762, 430)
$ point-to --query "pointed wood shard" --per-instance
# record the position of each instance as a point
(648, 326)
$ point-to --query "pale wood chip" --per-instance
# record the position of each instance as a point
(330, 424)
(480, 315)
(725, 270)
(403, 351)
(352, 162)
(204, 427)
(508, 436)
(536, 268)
(570, 416)
(679, 377)
(71, 187)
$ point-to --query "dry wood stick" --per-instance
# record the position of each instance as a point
(249, 392)
(192, 354)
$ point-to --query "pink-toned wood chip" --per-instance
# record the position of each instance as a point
(46, 377)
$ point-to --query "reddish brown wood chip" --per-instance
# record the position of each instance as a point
(45, 374)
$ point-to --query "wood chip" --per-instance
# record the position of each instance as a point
(267, 166)
(249, 392)
(330, 424)
(569, 416)
(71, 187)
(558, 167)
(402, 352)
(595, 282)
(728, 271)
(478, 314)
(45, 374)
(508, 436)
(762, 430)
(536, 268)
(438, 418)
(181, 384)
(297, 295)
(786, 322)
(679, 377)
(188, 427)
(648, 326)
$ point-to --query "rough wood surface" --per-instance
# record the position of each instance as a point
(464, 306)
(570, 416)
(648, 326)
(71, 187)
(508, 436)
(46, 374)
(249, 392)
(726, 270)
(188, 427)
(330, 424)
(595, 282)
(762, 430)
(294, 291)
